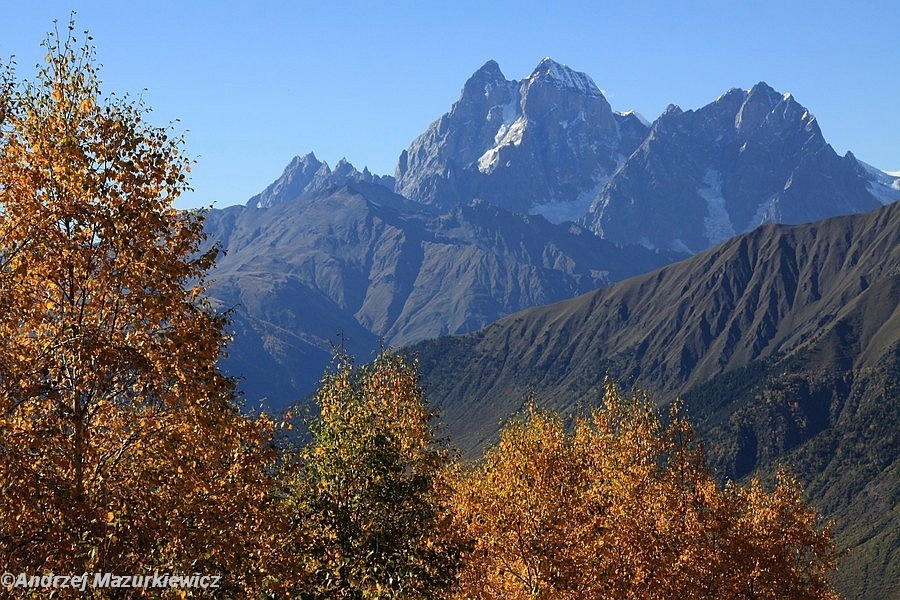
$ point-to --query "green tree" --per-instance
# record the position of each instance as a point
(121, 447)
(368, 495)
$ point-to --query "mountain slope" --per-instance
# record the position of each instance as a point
(361, 260)
(777, 289)
(784, 343)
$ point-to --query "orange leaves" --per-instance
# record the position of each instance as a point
(624, 507)
(524, 507)
(117, 424)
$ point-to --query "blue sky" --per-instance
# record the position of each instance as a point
(255, 83)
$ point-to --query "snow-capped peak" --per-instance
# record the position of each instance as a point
(489, 71)
(732, 92)
(564, 77)
(637, 115)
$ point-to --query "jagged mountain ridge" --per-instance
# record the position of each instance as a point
(549, 139)
(307, 175)
(551, 144)
(361, 260)
(749, 158)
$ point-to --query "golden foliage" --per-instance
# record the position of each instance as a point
(120, 445)
(624, 507)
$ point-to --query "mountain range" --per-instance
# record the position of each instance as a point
(475, 184)
(533, 241)
(551, 144)
(356, 265)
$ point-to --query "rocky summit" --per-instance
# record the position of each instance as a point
(551, 144)
(543, 144)
(749, 158)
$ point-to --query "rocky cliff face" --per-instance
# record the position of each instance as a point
(749, 158)
(542, 144)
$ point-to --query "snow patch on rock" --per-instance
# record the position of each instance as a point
(717, 221)
(767, 212)
(637, 115)
(884, 185)
(564, 77)
(509, 135)
(679, 246)
(885, 194)
(571, 210)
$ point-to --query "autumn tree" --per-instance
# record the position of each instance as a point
(527, 509)
(623, 506)
(121, 447)
(367, 496)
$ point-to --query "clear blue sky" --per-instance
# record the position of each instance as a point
(255, 83)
